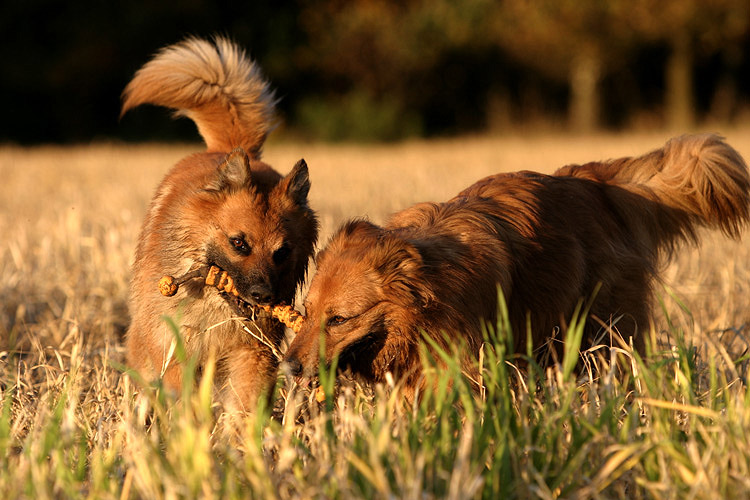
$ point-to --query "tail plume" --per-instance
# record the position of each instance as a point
(699, 179)
(215, 85)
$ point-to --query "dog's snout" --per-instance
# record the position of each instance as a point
(261, 294)
(294, 366)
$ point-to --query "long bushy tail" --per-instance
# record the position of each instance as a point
(215, 85)
(693, 181)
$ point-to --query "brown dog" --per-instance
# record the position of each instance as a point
(222, 207)
(546, 241)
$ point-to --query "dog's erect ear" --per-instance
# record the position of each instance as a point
(298, 183)
(233, 173)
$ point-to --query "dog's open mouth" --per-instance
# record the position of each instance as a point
(242, 307)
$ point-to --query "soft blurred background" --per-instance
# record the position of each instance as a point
(372, 70)
(390, 103)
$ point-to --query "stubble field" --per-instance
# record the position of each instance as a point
(674, 426)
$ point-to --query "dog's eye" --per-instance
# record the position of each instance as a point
(336, 320)
(240, 245)
(282, 254)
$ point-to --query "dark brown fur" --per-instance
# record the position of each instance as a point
(223, 207)
(546, 241)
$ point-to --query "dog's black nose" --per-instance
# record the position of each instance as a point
(294, 366)
(261, 294)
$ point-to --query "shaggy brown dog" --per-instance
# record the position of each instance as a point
(546, 241)
(222, 207)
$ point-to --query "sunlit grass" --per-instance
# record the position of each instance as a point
(675, 424)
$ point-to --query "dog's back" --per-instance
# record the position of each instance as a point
(610, 225)
(550, 241)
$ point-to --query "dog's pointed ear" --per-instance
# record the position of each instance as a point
(402, 271)
(297, 183)
(233, 173)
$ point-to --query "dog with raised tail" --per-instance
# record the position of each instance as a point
(222, 207)
(546, 242)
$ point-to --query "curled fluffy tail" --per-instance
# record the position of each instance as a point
(215, 85)
(693, 181)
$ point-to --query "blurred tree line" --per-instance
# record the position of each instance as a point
(382, 70)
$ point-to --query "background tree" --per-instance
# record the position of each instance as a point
(384, 70)
(689, 28)
(384, 61)
(577, 41)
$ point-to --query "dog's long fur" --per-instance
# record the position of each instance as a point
(546, 241)
(224, 207)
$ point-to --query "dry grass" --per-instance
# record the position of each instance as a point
(71, 426)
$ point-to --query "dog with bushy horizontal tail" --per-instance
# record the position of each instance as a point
(545, 241)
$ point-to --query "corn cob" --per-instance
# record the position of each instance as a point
(292, 318)
(169, 285)
(215, 276)
(221, 280)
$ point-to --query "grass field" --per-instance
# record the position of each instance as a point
(676, 425)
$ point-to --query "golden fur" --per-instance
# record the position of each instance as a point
(224, 207)
(546, 241)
